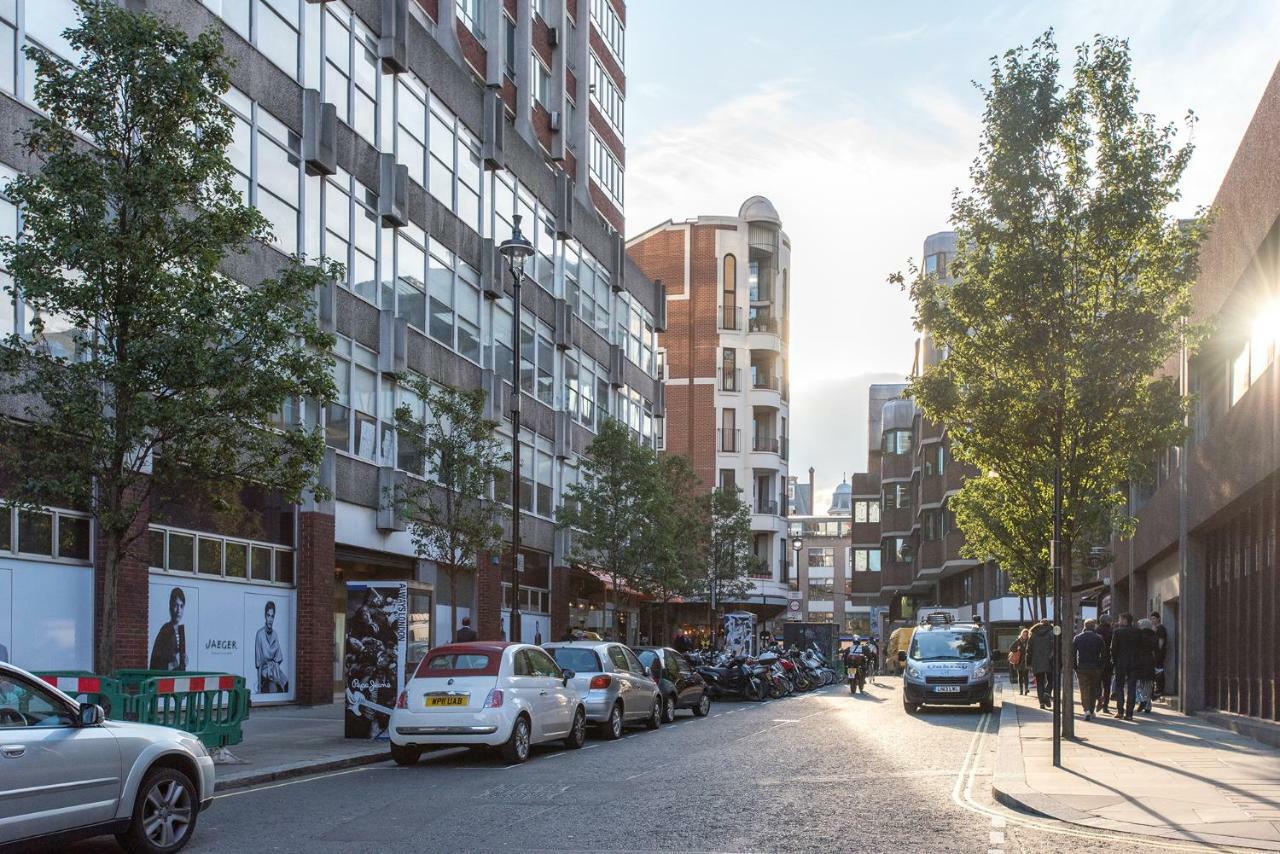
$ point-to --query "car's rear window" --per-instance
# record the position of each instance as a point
(576, 659)
(647, 656)
(458, 664)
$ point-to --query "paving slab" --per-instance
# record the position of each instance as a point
(1163, 774)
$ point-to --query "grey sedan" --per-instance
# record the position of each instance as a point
(65, 772)
(616, 688)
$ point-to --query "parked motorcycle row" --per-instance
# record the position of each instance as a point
(777, 672)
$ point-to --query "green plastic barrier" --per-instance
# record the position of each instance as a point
(210, 706)
(106, 691)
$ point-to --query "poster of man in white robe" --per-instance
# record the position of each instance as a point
(268, 618)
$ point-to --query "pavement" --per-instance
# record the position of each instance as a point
(1163, 775)
(283, 742)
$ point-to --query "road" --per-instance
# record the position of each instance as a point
(820, 772)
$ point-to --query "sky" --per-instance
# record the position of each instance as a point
(858, 120)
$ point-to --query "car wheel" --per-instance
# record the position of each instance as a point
(578, 732)
(911, 708)
(655, 714)
(164, 813)
(516, 748)
(704, 706)
(668, 709)
(613, 726)
(405, 754)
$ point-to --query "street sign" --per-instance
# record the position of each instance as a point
(519, 563)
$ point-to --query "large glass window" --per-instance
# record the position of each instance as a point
(539, 81)
(606, 169)
(866, 560)
(896, 442)
(606, 19)
(606, 94)
(175, 550)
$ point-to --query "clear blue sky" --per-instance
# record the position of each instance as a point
(858, 120)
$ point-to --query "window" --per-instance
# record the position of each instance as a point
(508, 46)
(729, 369)
(866, 560)
(351, 419)
(470, 14)
(59, 534)
(728, 431)
(1240, 373)
(606, 95)
(936, 264)
(729, 481)
(822, 557)
(539, 81)
(822, 583)
(26, 705)
(897, 496)
(173, 550)
(931, 525)
(610, 26)
(866, 511)
(350, 70)
(940, 459)
(537, 360)
(896, 442)
(266, 156)
(606, 169)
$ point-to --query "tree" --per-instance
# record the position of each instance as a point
(449, 513)
(680, 528)
(609, 508)
(730, 556)
(1071, 288)
(142, 355)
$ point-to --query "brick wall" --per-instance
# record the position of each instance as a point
(487, 610)
(472, 51)
(315, 576)
(559, 601)
(132, 587)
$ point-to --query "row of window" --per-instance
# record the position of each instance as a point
(861, 559)
(606, 169)
(58, 534)
(607, 96)
(219, 557)
(606, 19)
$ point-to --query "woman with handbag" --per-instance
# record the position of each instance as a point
(1018, 654)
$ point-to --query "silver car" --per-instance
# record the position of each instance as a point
(65, 772)
(615, 687)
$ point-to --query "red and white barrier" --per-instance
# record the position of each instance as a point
(74, 685)
(184, 684)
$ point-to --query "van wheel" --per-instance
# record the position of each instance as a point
(988, 704)
(911, 708)
(613, 726)
(516, 748)
(405, 754)
(164, 813)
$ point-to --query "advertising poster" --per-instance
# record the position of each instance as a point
(6, 614)
(373, 655)
(224, 627)
(740, 632)
(46, 615)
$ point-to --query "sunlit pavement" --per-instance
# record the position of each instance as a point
(819, 772)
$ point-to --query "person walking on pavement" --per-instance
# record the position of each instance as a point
(466, 634)
(1146, 665)
(1042, 661)
(1104, 697)
(1019, 655)
(1126, 657)
(1088, 652)
(1162, 650)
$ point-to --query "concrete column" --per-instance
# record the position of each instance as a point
(314, 561)
(524, 49)
(1191, 627)
(132, 588)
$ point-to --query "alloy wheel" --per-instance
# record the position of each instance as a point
(166, 813)
(522, 739)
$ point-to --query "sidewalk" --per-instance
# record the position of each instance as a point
(1164, 774)
(288, 741)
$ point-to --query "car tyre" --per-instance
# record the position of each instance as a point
(405, 754)
(911, 708)
(164, 813)
(613, 725)
(516, 748)
(578, 731)
(988, 704)
(668, 709)
(655, 714)
(704, 706)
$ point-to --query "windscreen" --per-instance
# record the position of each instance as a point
(948, 646)
(458, 664)
(577, 659)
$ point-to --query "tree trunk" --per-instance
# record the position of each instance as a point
(106, 652)
(1067, 620)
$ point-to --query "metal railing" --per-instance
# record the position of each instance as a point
(730, 317)
(765, 443)
(763, 380)
(729, 379)
(730, 440)
(767, 507)
(763, 323)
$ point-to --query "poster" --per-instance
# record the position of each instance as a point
(46, 615)
(373, 655)
(224, 627)
(6, 613)
(740, 632)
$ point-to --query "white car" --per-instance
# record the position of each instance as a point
(67, 773)
(487, 694)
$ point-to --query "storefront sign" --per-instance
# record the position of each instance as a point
(374, 652)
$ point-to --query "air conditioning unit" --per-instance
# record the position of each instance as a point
(555, 121)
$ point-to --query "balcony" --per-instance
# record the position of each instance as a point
(769, 444)
(729, 379)
(730, 440)
(762, 380)
(763, 322)
(767, 507)
(895, 467)
(730, 318)
(897, 520)
(784, 449)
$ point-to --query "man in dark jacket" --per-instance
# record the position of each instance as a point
(1089, 651)
(1104, 695)
(1042, 641)
(1126, 655)
(466, 634)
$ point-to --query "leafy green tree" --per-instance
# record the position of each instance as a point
(142, 353)
(680, 529)
(449, 513)
(1072, 282)
(609, 508)
(730, 553)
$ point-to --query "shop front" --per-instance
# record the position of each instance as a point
(372, 568)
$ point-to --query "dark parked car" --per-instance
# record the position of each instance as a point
(682, 686)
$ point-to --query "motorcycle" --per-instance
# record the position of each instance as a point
(734, 678)
(857, 675)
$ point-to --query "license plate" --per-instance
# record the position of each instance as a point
(448, 699)
(947, 689)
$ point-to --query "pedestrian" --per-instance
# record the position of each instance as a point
(1105, 630)
(569, 634)
(1088, 652)
(466, 634)
(1162, 650)
(1041, 645)
(1126, 657)
(1146, 665)
(1019, 661)
(682, 643)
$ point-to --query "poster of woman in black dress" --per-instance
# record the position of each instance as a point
(169, 649)
(373, 653)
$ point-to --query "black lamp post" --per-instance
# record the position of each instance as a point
(516, 250)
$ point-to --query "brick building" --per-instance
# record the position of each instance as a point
(725, 357)
(399, 138)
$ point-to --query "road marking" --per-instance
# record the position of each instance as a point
(249, 789)
(997, 837)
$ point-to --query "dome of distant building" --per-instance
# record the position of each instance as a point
(759, 209)
(841, 500)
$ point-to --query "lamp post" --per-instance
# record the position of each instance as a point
(797, 543)
(516, 250)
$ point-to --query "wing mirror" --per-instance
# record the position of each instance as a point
(566, 677)
(91, 714)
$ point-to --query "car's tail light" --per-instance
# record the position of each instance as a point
(600, 682)
(402, 702)
(493, 700)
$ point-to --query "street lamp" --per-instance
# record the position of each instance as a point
(517, 249)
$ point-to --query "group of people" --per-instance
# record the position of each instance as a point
(1124, 663)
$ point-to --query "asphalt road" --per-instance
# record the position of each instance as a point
(819, 772)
